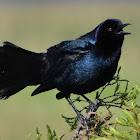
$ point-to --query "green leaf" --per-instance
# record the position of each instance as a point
(28, 136)
(62, 137)
(119, 69)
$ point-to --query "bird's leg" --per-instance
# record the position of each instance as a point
(84, 121)
(92, 106)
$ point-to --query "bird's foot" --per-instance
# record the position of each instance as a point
(84, 121)
(92, 107)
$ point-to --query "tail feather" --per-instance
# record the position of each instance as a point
(18, 69)
(8, 91)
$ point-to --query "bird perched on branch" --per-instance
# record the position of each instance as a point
(77, 66)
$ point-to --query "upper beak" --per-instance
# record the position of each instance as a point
(120, 31)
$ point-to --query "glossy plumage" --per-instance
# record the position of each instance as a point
(77, 66)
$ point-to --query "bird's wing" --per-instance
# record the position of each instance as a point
(60, 57)
(67, 54)
(76, 46)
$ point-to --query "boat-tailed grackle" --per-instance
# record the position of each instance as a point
(76, 66)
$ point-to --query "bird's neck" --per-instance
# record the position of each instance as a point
(108, 49)
(109, 44)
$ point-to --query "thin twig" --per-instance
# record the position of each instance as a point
(101, 117)
(95, 136)
(103, 89)
(110, 105)
(110, 96)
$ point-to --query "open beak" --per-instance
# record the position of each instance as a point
(119, 30)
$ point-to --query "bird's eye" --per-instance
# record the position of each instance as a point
(109, 29)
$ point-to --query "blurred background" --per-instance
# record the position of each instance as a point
(38, 24)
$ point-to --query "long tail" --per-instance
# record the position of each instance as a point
(18, 68)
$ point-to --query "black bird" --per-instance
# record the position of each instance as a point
(77, 66)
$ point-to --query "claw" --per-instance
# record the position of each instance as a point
(85, 122)
(92, 107)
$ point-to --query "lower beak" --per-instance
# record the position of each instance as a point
(123, 33)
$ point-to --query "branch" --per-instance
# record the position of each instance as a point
(79, 130)
(116, 100)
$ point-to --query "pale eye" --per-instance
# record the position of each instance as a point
(109, 29)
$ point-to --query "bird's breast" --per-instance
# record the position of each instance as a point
(86, 75)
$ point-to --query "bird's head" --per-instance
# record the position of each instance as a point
(111, 32)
